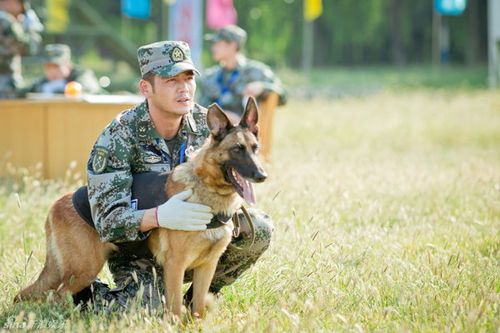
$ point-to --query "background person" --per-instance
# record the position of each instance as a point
(235, 77)
(19, 35)
(59, 70)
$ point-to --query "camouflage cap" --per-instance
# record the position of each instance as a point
(56, 54)
(165, 58)
(229, 33)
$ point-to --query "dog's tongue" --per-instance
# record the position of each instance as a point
(248, 193)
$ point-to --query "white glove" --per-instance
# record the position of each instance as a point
(178, 214)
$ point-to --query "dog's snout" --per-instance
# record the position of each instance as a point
(259, 176)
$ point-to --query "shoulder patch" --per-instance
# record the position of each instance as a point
(100, 159)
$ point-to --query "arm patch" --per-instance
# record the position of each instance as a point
(100, 160)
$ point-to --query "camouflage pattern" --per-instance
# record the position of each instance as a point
(141, 279)
(56, 54)
(225, 87)
(130, 144)
(166, 58)
(16, 39)
(85, 77)
(230, 33)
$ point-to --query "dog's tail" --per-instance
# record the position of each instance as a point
(75, 254)
(50, 276)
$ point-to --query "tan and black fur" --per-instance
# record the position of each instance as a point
(75, 254)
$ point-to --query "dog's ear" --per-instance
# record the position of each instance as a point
(251, 116)
(218, 122)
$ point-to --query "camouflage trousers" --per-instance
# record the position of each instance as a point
(142, 279)
(7, 88)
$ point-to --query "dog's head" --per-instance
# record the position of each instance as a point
(234, 148)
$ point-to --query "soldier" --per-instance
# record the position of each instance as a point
(153, 136)
(19, 35)
(59, 70)
(235, 77)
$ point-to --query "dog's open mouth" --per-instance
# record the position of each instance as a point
(243, 187)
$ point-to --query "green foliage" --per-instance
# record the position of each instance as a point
(273, 28)
(386, 219)
(348, 33)
(351, 32)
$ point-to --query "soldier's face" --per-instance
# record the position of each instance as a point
(56, 71)
(222, 50)
(13, 7)
(173, 95)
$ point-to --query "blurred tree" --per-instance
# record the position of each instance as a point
(359, 32)
(472, 49)
(347, 33)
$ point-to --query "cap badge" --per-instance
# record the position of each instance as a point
(177, 54)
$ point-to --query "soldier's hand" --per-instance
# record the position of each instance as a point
(178, 214)
(254, 89)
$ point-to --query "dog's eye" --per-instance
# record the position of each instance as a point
(238, 148)
(255, 148)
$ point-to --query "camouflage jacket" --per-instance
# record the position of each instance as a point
(226, 86)
(85, 77)
(130, 144)
(15, 41)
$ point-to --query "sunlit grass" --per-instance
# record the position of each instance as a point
(387, 216)
(360, 78)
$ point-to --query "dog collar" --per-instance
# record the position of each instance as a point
(219, 220)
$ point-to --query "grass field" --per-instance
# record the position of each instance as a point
(387, 216)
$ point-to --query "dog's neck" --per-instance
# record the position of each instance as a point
(211, 175)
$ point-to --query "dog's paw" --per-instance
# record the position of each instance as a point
(210, 301)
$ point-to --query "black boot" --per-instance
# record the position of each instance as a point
(84, 296)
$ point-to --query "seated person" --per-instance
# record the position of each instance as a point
(235, 77)
(19, 36)
(59, 70)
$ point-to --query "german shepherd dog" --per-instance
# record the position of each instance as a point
(219, 174)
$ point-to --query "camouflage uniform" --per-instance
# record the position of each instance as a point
(16, 39)
(130, 144)
(225, 87)
(60, 54)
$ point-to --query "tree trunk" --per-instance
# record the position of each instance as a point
(398, 57)
(473, 38)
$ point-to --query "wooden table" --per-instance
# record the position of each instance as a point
(55, 132)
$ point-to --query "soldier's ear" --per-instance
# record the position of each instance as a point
(145, 88)
(218, 122)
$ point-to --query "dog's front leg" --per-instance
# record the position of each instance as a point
(173, 275)
(202, 277)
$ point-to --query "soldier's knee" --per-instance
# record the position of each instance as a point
(263, 226)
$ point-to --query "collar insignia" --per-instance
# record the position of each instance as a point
(192, 123)
(142, 130)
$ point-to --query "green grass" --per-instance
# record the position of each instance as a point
(364, 80)
(387, 216)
